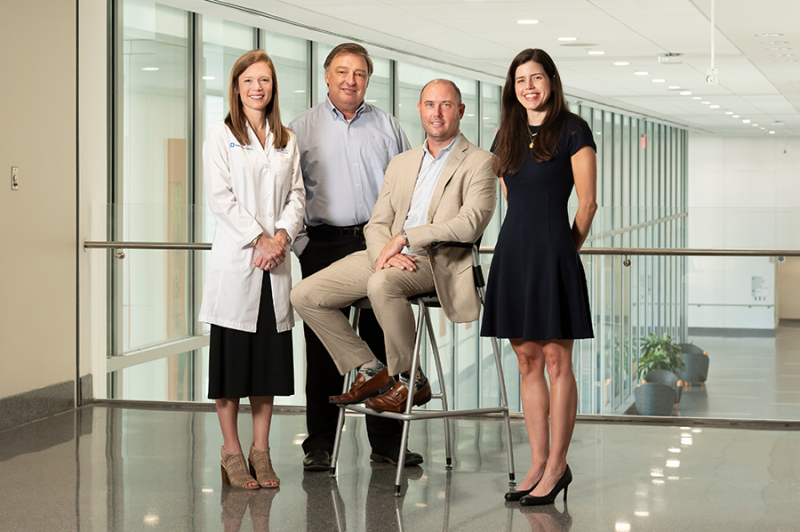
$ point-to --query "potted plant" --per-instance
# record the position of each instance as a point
(659, 360)
(659, 353)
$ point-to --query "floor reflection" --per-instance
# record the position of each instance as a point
(547, 518)
(235, 502)
(120, 469)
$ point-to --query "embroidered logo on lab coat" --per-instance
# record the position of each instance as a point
(234, 145)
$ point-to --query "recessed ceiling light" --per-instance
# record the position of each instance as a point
(728, 112)
(567, 38)
(776, 42)
(771, 132)
(745, 121)
(659, 80)
(755, 125)
(735, 116)
(208, 78)
(686, 93)
(697, 97)
(470, 115)
(641, 73)
(621, 63)
(595, 52)
(769, 34)
(763, 128)
(674, 87)
(705, 103)
(527, 21)
(300, 91)
(782, 49)
(368, 101)
(714, 107)
(150, 68)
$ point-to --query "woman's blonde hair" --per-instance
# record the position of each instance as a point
(236, 119)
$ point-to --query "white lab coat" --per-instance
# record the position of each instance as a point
(250, 190)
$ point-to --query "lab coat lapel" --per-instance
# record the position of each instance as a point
(453, 162)
(256, 144)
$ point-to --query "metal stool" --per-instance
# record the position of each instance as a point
(424, 302)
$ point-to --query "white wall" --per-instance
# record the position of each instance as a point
(743, 193)
(38, 251)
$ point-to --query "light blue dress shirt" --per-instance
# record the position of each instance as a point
(429, 173)
(343, 162)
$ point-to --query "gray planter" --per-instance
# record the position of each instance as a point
(663, 376)
(654, 399)
(696, 364)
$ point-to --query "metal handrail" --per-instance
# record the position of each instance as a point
(668, 252)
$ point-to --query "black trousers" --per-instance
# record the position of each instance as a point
(322, 377)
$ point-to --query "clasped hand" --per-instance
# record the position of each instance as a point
(270, 252)
(391, 256)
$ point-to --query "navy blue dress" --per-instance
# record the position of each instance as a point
(537, 287)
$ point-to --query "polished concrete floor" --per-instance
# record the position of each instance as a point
(748, 378)
(121, 469)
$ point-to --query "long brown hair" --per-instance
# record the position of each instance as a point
(236, 119)
(509, 148)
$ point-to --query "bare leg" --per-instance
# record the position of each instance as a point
(535, 406)
(563, 408)
(228, 413)
(261, 408)
(262, 418)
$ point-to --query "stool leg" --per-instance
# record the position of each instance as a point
(345, 387)
(443, 390)
(401, 459)
(506, 417)
(339, 427)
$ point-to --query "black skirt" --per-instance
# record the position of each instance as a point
(245, 364)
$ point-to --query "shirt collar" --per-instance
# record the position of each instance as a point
(444, 151)
(338, 114)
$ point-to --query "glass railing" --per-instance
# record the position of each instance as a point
(731, 318)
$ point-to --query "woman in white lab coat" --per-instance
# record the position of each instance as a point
(255, 191)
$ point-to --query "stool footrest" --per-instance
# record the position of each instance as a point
(426, 414)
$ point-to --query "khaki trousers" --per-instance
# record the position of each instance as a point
(318, 299)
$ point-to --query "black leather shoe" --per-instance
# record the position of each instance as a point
(317, 460)
(391, 456)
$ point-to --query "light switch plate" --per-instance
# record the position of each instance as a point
(14, 178)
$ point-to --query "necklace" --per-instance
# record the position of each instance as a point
(532, 135)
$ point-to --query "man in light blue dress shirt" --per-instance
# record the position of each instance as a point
(345, 146)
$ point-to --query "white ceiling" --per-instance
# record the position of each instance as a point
(756, 83)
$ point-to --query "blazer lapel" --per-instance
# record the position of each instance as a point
(404, 187)
(453, 162)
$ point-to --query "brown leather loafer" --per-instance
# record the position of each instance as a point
(364, 388)
(395, 399)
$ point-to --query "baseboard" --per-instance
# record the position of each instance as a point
(731, 333)
(789, 323)
(87, 389)
(37, 404)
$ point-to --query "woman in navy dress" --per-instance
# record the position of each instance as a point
(536, 294)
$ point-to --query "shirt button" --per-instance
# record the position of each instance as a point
(352, 144)
(358, 184)
(360, 205)
(270, 215)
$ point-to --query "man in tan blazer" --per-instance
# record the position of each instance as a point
(443, 191)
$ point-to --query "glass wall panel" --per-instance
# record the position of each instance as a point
(291, 58)
(154, 188)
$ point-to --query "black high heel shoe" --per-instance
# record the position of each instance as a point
(562, 484)
(515, 495)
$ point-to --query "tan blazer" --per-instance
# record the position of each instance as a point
(462, 206)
